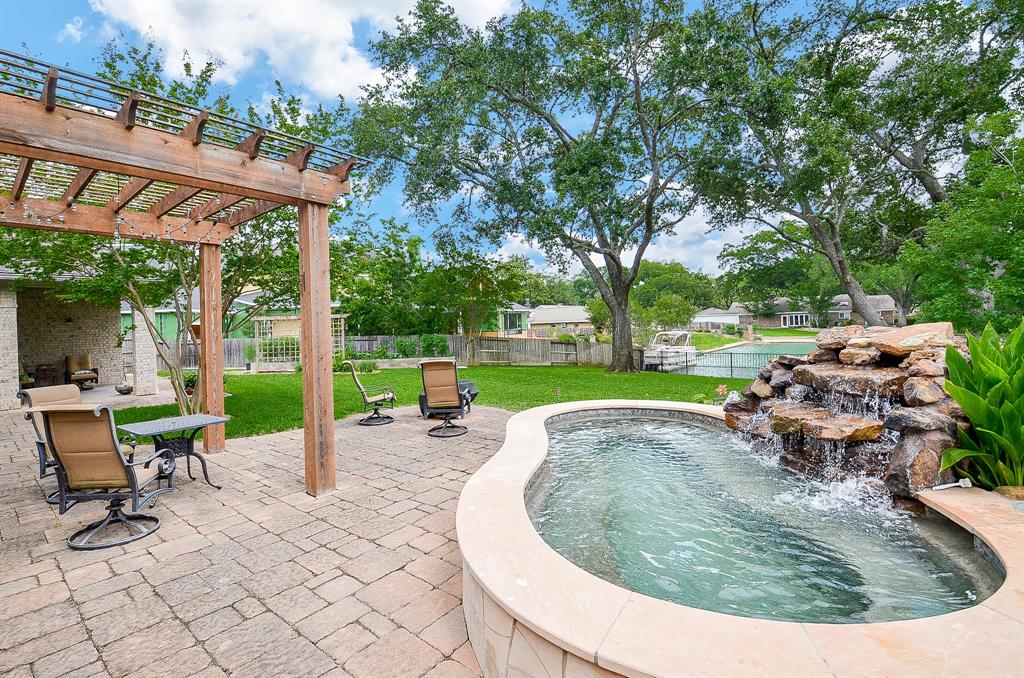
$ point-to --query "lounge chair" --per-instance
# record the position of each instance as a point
(444, 397)
(91, 467)
(80, 372)
(374, 397)
(44, 397)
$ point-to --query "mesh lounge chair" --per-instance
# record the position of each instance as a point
(80, 372)
(44, 397)
(441, 386)
(91, 467)
(374, 397)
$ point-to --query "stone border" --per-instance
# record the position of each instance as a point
(530, 611)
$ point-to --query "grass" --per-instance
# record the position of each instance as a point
(266, 403)
(708, 340)
(787, 332)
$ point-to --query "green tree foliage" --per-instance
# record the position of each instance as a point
(566, 125)
(386, 282)
(990, 390)
(971, 262)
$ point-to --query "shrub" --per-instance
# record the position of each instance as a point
(433, 345)
(568, 338)
(990, 390)
(189, 378)
(250, 353)
(336, 363)
(730, 329)
(406, 348)
(382, 352)
(366, 366)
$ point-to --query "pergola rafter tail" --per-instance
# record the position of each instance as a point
(82, 155)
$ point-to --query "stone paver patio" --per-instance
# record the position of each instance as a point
(257, 579)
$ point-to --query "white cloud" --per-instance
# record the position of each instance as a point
(73, 30)
(311, 42)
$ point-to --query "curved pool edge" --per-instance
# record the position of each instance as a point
(530, 610)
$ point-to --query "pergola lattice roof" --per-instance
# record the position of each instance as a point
(33, 179)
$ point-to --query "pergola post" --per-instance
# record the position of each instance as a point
(316, 348)
(211, 343)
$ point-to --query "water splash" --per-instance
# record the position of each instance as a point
(859, 491)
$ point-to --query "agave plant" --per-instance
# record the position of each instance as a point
(990, 390)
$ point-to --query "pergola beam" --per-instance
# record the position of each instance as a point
(128, 193)
(21, 178)
(78, 185)
(96, 142)
(249, 212)
(221, 202)
(48, 215)
(173, 199)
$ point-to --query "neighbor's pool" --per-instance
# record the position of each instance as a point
(780, 348)
(740, 362)
(692, 515)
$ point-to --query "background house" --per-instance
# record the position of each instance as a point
(512, 321)
(713, 319)
(787, 314)
(550, 320)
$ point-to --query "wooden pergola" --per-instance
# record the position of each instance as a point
(82, 155)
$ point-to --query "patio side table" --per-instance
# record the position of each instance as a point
(182, 445)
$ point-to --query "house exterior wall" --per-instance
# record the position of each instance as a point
(9, 382)
(554, 329)
(144, 359)
(49, 330)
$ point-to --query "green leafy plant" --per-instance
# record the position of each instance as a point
(433, 345)
(190, 378)
(406, 348)
(990, 390)
(366, 366)
(567, 338)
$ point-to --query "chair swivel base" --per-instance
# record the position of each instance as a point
(136, 525)
(376, 418)
(447, 430)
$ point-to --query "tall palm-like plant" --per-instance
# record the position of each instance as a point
(990, 389)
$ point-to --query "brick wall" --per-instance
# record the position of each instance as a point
(49, 330)
(8, 349)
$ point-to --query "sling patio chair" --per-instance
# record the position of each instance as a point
(444, 397)
(374, 397)
(80, 371)
(92, 467)
(45, 396)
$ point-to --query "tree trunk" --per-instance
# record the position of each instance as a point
(622, 340)
(860, 303)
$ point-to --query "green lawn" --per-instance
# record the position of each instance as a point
(708, 340)
(787, 332)
(273, 402)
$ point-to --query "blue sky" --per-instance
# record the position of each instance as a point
(317, 48)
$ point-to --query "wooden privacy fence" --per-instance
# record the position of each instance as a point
(467, 350)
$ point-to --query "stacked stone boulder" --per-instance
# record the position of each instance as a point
(877, 385)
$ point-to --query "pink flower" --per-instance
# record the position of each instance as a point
(722, 389)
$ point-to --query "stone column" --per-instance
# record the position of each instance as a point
(145, 356)
(9, 382)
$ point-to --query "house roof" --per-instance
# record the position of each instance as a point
(841, 302)
(516, 308)
(712, 311)
(550, 314)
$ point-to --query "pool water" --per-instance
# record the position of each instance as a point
(773, 348)
(694, 516)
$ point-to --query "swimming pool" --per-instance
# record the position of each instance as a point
(739, 362)
(693, 516)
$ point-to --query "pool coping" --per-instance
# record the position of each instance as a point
(513, 579)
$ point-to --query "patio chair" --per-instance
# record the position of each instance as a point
(443, 397)
(80, 371)
(44, 397)
(92, 467)
(374, 397)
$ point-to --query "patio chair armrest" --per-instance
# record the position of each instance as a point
(166, 457)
